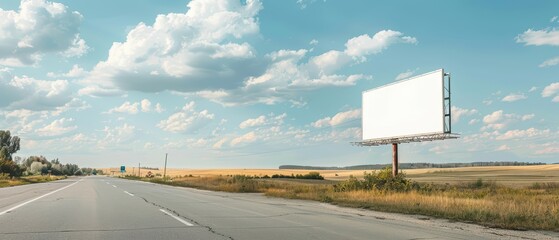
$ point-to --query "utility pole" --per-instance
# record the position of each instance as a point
(165, 169)
(139, 175)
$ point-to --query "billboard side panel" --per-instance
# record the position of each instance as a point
(405, 108)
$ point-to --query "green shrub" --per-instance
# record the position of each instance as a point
(378, 180)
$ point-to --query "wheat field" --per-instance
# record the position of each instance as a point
(518, 176)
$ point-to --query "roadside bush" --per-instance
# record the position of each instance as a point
(132, 177)
(10, 168)
(310, 175)
(243, 183)
(546, 186)
(378, 180)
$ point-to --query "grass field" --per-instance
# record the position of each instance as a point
(513, 176)
(9, 182)
(524, 197)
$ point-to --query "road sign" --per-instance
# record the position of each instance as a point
(122, 169)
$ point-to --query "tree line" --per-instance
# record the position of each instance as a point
(34, 165)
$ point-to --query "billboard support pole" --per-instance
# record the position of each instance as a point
(165, 169)
(394, 159)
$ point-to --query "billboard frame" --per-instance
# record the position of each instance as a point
(394, 141)
(447, 120)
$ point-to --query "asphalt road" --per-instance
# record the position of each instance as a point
(100, 207)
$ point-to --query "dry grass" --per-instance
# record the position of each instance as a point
(489, 203)
(504, 208)
(9, 182)
(513, 176)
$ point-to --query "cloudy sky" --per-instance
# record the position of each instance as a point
(261, 83)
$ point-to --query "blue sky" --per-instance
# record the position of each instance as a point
(258, 84)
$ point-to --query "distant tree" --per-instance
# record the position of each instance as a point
(8, 146)
(56, 169)
(36, 168)
(70, 169)
(87, 171)
(17, 159)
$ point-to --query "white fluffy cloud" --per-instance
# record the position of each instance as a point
(539, 37)
(548, 148)
(115, 136)
(22, 92)
(57, 127)
(513, 97)
(533, 89)
(527, 117)
(495, 120)
(365, 45)
(206, 52)
(246, 138)
(75, 72)
(186, 120)
(288, 73)
(499, 120)
(550, 62)
(126, 107)
(219, 144)
(530, 132)
(253, 122)
(159, 108)
(145, 105)
(135, 107)
(551, 90)
(305, 3)
(404, 75)
(457, 113)
(339, 118)
(197, 50)
(336, 135)
(503, 147)
(493, 117)
(271, 119)
(39, 27)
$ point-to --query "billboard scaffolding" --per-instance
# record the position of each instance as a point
(416, 109)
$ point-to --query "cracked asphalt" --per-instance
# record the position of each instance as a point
(99, 207)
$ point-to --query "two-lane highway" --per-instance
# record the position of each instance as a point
(91, 208)
(111, 208)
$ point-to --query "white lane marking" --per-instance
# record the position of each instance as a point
(114, 186)
(37, 198)
(177, 218)
(129, 193)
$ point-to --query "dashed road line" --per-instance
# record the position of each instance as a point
(177, 218)
(129, 193)
(114, 186)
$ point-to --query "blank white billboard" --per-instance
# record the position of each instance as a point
(410, 107)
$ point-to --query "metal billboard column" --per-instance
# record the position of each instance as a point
(394, 159)
(447, 104)
(165, 169)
